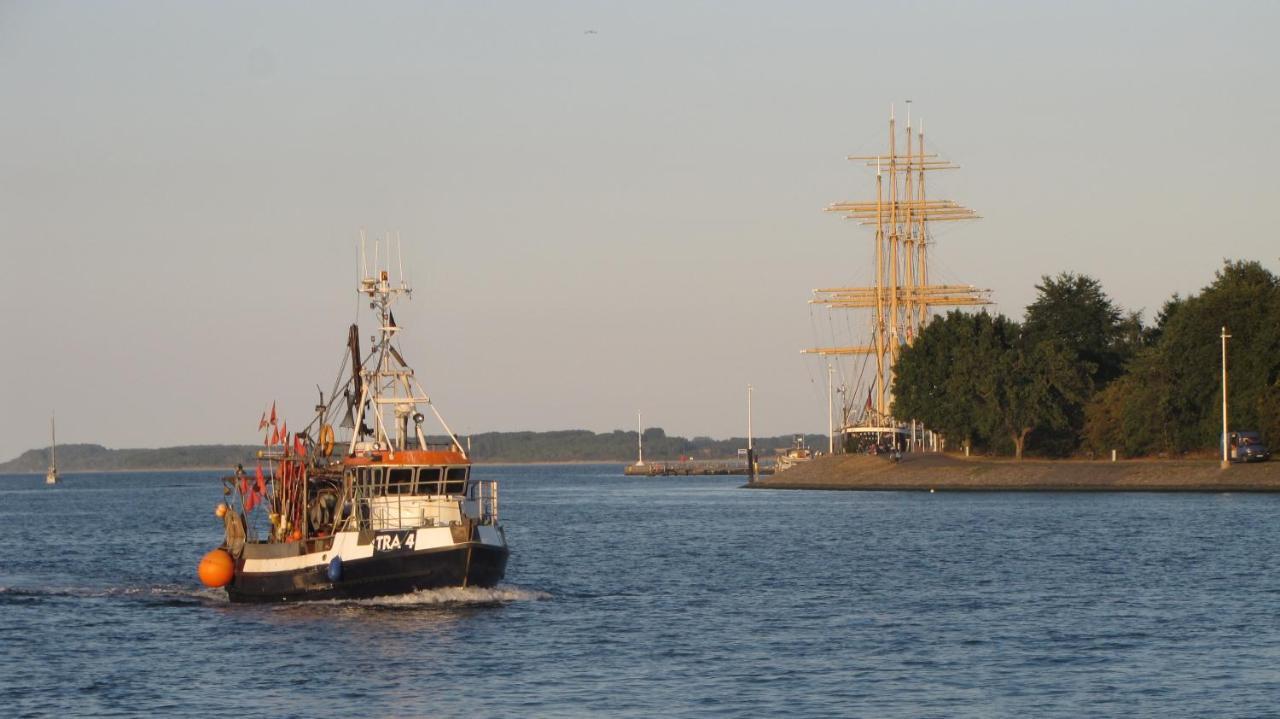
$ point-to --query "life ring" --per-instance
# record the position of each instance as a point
(326, 440)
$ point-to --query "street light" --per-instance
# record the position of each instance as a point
(831, 430)
(1226, 462)
(639, 440)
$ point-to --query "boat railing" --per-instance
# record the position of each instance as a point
(396, 511)
(484, 493)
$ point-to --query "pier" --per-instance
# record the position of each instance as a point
(694, 468)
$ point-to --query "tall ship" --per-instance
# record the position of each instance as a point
(901, 297)
(51, 476)
(360, 502)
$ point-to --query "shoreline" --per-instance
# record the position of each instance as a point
(940, 472)
(156, 470)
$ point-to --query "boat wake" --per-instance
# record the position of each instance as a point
(167, 594)
(182, 595)
(446, 598)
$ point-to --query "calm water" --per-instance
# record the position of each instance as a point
(665, 597)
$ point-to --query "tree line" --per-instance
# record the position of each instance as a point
(1081, 376)
(574, 445)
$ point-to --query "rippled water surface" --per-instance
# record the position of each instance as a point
(664, 597)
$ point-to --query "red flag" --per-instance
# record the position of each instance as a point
(298, 447)
(275, 435)
(262, 423)
(284, 432)
(868, 400)
(262, 484)
(244, 485)
(250, 502)
(273, 412)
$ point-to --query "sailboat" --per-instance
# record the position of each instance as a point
(379, 511)
(51, 477)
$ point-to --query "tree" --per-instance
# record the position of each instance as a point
(1074, 310)
(1245, 298)
(978, 376)
(1170, 400)
(1132, 414)
(1033, 386)
(934, 378)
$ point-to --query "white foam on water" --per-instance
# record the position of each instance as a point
(454, 596)
(446, 597)
(204, 594)
(162, 591)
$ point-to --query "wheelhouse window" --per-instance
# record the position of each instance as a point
(456, 480)
(429, 480)
(371, 478)
(399, 481)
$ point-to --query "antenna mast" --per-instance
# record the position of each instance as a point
(388, 392)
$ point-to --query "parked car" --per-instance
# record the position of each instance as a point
(1247, 447)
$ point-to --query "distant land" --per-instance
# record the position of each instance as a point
(572, 445)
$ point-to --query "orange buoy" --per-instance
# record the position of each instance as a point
(216, 568)
(295, 535)
(220, 511)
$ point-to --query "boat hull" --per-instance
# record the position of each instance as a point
(469, 564)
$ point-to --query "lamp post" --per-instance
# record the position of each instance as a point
(753, 469)
(1226, 462)
(831, 430)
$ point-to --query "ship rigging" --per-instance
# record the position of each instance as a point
(901, 297)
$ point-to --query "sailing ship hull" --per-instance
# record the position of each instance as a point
(471, 564)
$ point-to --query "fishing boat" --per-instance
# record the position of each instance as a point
(797, 453)
(51, 477)
(370, 508)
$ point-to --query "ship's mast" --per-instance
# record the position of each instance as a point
(389, 393)
(902, 296)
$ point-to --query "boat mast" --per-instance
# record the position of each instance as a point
(53, 444)
(381, 384)
(902, 295)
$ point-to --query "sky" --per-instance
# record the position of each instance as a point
(605, 207)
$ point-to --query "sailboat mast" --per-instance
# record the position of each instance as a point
(911, 281)
(902, 295)
(894, 238)
(879, 322)
(922, 247)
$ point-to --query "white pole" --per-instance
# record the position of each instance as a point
(639, 440)
(1225, 460)
(749, 417)
(831, 430)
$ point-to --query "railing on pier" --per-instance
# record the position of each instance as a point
(693, 468)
